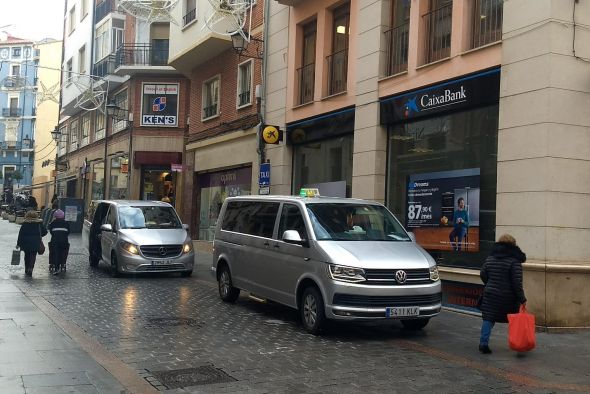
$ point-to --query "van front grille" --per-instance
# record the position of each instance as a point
(381, 277)
(385, 301)
(161, 251)
(163, 268)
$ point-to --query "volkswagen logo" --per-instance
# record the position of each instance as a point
(163, 252)
(401, 276)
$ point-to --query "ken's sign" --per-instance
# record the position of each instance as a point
(159, 107)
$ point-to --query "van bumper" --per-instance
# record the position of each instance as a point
(346, 301)
(138, 264)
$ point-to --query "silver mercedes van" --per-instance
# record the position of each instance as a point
(330, 258)
(137, 237)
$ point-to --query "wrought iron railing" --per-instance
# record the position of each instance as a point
(244, 98)
(16, 145)
(103, 9)
(306, 78)
(438, 33)
(12, 112)
(337, 72)
(14, 82)
(142, 55)
(209, 111)
(487, 22)
(189, 17)
(105, 66)
(397, 49)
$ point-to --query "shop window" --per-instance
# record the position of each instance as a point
(118, 178)
(98, 180)
(158, 184)
(211, 98)
(453, 157)
(245, 84)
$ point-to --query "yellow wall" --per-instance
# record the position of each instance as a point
(47, 118)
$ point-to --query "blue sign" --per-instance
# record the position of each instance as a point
(264, 175)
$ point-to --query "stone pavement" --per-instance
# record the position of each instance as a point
(176, 335)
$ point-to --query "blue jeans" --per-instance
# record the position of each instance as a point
(486, 331)
(457, 233)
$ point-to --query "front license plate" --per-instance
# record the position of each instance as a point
(161, 262)
(404, 311)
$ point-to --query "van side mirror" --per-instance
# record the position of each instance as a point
(412, 236)
(106, 227)
(186, 227)
(293, 237)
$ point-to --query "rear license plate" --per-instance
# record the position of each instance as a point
(161, 262)
(399, 312)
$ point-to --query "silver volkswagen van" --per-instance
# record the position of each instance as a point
(137, 237)
(330, 258)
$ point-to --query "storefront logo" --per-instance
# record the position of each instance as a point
(225, 178)
(411, 106)
(447, 98)
(158, 120)
(159, 104)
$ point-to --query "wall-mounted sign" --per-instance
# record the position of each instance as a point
(443, 209)
(470, 91)
(159, 106)
(176, 167)
(272, 135)
(264, 175)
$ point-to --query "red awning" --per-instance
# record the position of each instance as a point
(157, 158)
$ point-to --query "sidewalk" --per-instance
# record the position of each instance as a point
(36, 356)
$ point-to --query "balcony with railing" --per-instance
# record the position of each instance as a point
(438, 25)
(337, 72)
(210, 111)
(105, 66)
(16, 145)
(244, 98)
(12, 112)
(306, 79)
(397, 39)
(14, 82)
(142, 55)
(103, 9)
(190, 16)
(487, 22)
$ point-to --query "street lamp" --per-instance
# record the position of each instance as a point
(240, 45)
(55, 134)
(121, 114)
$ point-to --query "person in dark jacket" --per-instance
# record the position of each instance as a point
(59, 245)
(29, 239)
(503, 293)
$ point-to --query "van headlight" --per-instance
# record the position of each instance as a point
(434, 273)
(130, 248)
(346, 274)
(187, 247)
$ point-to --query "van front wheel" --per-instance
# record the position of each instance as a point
(227, 291)
(312, 311)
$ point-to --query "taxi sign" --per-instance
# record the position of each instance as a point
(309, 192)
(271, 134)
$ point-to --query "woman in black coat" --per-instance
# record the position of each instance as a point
(29, 239)
(503, 293)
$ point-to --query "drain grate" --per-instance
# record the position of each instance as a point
(179, 378)
(164, 322)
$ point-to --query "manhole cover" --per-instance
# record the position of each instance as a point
(192, 377)
(163, 322)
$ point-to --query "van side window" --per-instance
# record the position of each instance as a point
(291, 219)
(251, 217)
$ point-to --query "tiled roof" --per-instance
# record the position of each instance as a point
(14, 40)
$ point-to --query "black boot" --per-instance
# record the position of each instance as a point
(485, 349)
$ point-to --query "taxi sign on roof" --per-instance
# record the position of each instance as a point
(309, 192)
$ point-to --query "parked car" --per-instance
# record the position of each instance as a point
(330, 258)
(137, 237)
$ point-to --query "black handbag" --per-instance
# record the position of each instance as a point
(15, 257)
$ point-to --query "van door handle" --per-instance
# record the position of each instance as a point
(276, 246)
(266, 244)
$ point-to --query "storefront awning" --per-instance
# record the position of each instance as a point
(156, 158)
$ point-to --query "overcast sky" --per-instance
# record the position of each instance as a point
(32, 19)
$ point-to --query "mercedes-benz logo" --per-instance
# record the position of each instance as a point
(401, 276)
(163, 251)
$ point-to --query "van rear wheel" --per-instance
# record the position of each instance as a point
(415, 324)
(312, 311)
(227, 291)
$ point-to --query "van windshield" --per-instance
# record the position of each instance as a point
(148, 217)
(354, 222)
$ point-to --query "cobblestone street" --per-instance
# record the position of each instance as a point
(161, 326)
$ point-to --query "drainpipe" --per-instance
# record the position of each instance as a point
(262, 102)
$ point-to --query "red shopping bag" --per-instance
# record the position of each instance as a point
(521, 331)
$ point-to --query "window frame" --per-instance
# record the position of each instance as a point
(99, 130)
(239, 86)
(85, 126)
(69, 71)
(82, 60)
(72, 20)
(73, 134)
(205, 91)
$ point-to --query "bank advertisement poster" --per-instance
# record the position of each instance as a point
(159, 107)
(443, 209)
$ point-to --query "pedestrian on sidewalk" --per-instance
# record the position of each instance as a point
(30, 239)
(59, 246)
(503, 292)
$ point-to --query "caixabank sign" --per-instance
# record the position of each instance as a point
(159, 105)
(467, 92)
